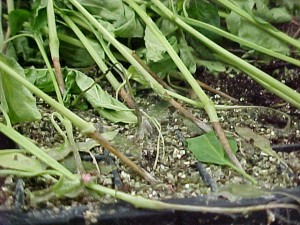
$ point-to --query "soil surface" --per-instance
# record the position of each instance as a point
(177, 170)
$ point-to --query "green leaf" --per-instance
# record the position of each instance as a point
(40, 78)
(204, 11)
(129, 25)
(207, 148)
(138, 77)
(154, 48)
(120, 15)
(186, 55)
(166, 26)
(243, 29)
(15, 99)
(39, 15)
(79, 57)
(105, 104)
(262, 13)
(16, 18)
(25, 49)
(14, 159)
(166, 64)
(214, 67)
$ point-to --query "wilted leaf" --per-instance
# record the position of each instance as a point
(259, 141)
(58, 153)
(67, 187)
(12, 159)
(236, 192)
(207, 148)
(106, 105)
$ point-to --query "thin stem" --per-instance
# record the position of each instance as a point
(110, 77)
(121, 48)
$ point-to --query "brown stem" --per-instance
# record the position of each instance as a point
(154, 75)
(213, 90)
(173, 102)
(105, 144)
(204, 126)
(58, 74)
(220, 133)
(127, 98)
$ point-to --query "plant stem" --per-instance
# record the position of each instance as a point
(54, 46)
(202, 125)
(208, 105)
(38, 40)
(141, 202)
(97, 58)
(264, 79)
(240, 40)
(34, 150)
(86, 128)
(121, 48)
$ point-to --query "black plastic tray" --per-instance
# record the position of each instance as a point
(122, 213)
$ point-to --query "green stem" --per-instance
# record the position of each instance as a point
(34, 150)
(239, 40)
(243, 173)
(207, 103)
(54, 46)
(265, 26)
(84, 126)
(10, 5)
(39, 42)
(141, 202)
(6, 172)
(71, 23)
(264, 79)
(123, 50)
(53, 40)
